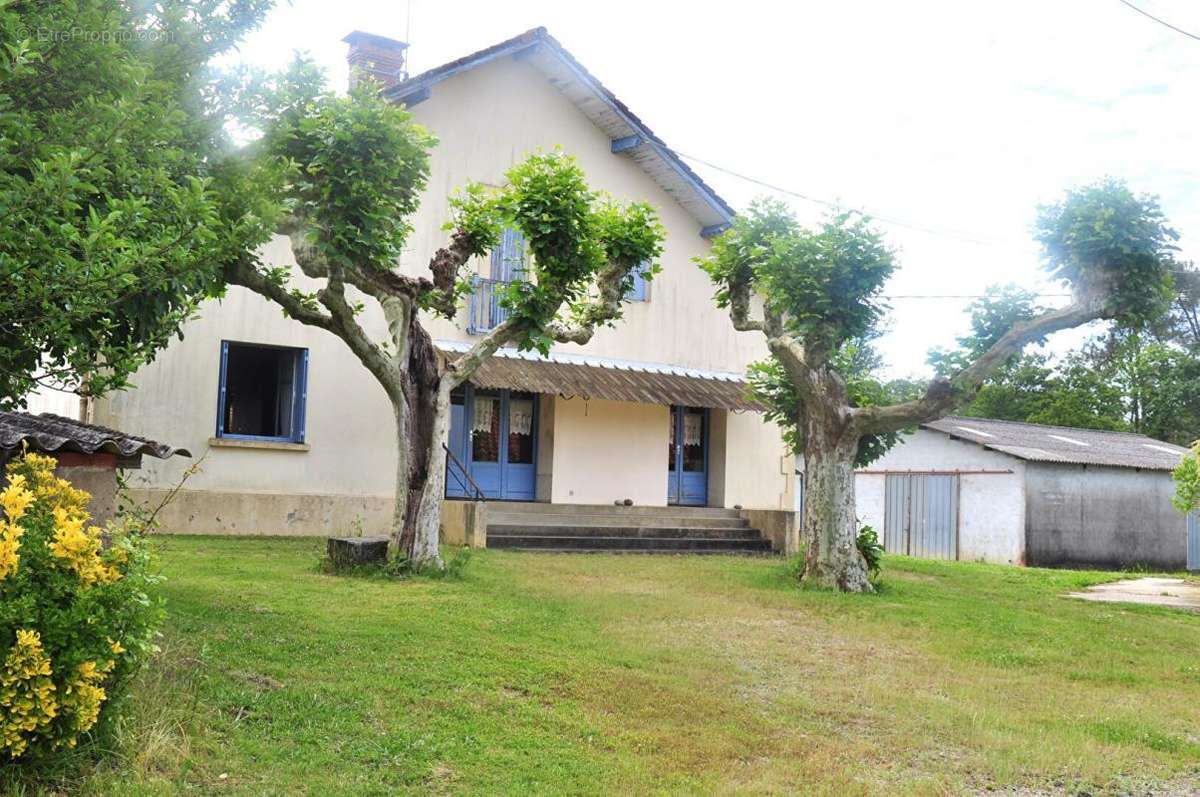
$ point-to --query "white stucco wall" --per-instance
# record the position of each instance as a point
(991, 492)
(487, 120)
(606, 451)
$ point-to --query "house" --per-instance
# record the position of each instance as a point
(88, 456)
(298, 437)
(998, 491)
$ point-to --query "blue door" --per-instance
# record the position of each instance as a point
(687, 457)
(493, 436)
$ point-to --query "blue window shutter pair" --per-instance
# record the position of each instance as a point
(296, 395)
(640, 292)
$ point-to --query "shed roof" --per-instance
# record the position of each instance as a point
(53, 433)
(605, 378)
(1064, 444)
(630, 134)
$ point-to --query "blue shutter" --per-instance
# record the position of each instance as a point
(221, 388)
(301, 396)
(508, 258)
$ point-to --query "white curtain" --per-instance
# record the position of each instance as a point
(520, 416)
(485, 409)
(693, 428)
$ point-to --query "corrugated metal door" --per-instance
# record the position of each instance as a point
(921, 515)
(1193, 551)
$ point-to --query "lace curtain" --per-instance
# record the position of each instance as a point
(520, 416)
(693, 428)
(485, 410)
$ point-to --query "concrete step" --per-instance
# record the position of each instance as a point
(623, 544)
(608, 510)
(645, 551)
(500, 517)
(577, 530)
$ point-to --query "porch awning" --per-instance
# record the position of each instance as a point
(604, 378)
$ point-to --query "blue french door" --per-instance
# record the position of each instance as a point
(493, 436)
(687, 457)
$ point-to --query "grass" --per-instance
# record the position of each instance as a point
(599, 674)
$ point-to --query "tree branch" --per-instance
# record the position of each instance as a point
(739, 307)
(597, 311)
(943, 395)
(465, 366)
(242, 272)
(346, 327)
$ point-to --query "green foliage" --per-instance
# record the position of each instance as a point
(1187, 482)
(110, 218)
(871, 549)
(575, 236)
(824, 283)
(991, 316)
(82, 601)
(360, 165)
(1125, 381)
(1104, 240)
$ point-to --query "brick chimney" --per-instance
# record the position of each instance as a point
(376, 56)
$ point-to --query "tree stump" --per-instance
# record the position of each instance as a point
(356, 551)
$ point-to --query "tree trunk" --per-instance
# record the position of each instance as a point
(416, 414)
(429, 512)
(830, 525)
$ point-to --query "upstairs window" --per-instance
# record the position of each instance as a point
(508, 258)
(640, 292)
(263, 390)
(507, 265)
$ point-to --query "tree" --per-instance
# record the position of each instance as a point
(820, 289)
(354, 167)
(1075, 392)
(108, 132)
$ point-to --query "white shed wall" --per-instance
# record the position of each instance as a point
(991, 492)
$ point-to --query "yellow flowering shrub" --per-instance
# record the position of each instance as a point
(27, 694)
(77, 614)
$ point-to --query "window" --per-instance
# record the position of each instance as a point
(507, 265)
(508, 258)
(262, 392)
(640, 292)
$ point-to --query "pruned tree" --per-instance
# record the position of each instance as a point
(353, 169)
(820, 291)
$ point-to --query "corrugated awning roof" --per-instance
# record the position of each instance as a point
(52, 433)
(629, 134)
(604, 378)
(1038, 443)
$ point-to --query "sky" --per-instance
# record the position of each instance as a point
(948, 121)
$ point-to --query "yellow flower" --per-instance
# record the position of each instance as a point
(117, 649)
(27, 694)
(15, 498)
(83, 697)
(10, 544)
(79, 548)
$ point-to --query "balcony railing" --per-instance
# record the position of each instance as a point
(485, 310)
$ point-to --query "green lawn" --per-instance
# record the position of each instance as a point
(596, 674)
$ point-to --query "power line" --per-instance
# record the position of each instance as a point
(839, 206)
(972, 296)
(1163, 22)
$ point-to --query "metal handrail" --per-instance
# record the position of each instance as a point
(479, 496)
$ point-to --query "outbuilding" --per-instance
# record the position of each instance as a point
(87, 455)
(974, 489)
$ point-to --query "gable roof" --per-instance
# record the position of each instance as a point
(630, 135)
(52, 433)
(1063, 444)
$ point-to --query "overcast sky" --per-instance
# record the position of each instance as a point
(955, 117)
